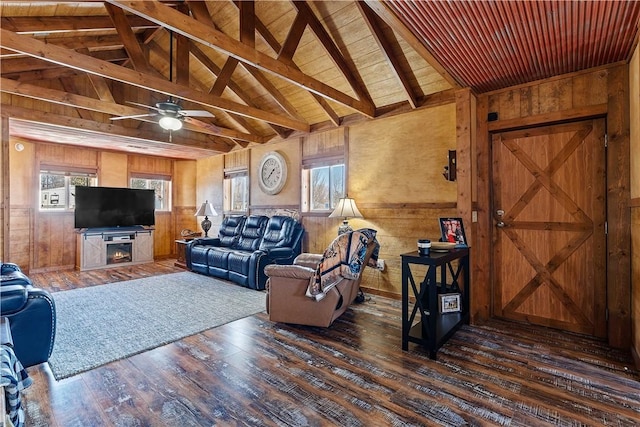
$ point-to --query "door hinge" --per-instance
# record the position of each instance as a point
(606, 140)
(606, 228)
(606, 314)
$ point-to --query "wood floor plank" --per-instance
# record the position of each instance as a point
(253, 372)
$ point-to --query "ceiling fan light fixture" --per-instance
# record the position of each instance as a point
(170, 123)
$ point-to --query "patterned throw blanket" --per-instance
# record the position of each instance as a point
(14, 379)
(344, 258)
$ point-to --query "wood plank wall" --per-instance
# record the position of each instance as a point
(598, 92)
(395, 167)
(5, 183)
(46, 241)
(634, 110)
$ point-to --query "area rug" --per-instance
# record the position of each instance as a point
(101, 324)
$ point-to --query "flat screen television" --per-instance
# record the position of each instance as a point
(109, 207)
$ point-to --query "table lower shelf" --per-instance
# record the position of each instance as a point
(446, 326)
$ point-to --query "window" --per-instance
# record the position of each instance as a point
(323, 187)
(162, 188)
(236, 192)
(57, 188)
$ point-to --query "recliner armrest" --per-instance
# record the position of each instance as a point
(8, 267)
(13, 299)
(308, 260)
(289, 271)
(206, 241)
(278, 253)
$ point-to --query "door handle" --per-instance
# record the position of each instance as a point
(501, 224)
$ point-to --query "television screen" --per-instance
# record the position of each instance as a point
(102, 207)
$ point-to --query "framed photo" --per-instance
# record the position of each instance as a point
(453, 231)
(449, 303)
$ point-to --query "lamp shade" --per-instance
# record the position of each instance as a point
(346, 209)
(206, 209)
(170, 123)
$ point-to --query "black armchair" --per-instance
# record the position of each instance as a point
(31, 313)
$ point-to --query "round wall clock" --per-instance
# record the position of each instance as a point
(272, 173)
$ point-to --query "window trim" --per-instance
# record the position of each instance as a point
(226, 190)
(305, 199)
(156, 177)
(67, 173)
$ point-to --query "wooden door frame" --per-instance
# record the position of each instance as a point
(616, 113)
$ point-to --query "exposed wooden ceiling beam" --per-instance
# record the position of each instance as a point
(286, 52)
(69, 85)
(54, 73)
(92, 104)
(35, 48)
(90, 126)
(386, 48)
(201, 33)
(383, 11)
(58, 24)
(129, 40)
(248, 36)
(248, 23)
(294, 36)
(223, 76)
(101, 87)
(19, 65)
(109, 42)
(215, 70)
(348, 70)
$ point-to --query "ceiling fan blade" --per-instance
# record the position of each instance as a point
(136, 116)
(137, 104)
(196, 113)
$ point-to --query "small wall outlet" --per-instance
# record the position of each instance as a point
(380, 265)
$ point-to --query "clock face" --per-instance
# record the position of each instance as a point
(272, 173)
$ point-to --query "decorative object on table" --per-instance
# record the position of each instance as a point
(272, 172)
(346, 209)
(453, 231)
(188, 234)
(206, 209)
(424, 247)
(442, 246)
(449, 303)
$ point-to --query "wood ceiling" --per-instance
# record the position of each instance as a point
(273, 69)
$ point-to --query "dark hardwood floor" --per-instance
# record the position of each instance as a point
(254, 372)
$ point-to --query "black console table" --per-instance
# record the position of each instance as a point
(424, 323)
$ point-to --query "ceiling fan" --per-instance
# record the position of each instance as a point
(171, 113)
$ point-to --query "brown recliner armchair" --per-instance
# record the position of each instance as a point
(287, 290)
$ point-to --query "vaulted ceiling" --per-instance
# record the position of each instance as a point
(272, 69)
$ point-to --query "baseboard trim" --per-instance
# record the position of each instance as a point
(385, 294)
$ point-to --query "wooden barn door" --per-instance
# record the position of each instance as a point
(549, 210)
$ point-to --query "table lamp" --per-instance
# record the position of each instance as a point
(346, 209)
(206, 209)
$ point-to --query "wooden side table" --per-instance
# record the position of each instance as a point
(447, 273)
(181, 257)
